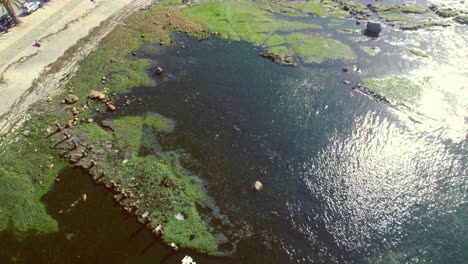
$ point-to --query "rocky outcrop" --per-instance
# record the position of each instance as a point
(463, 19)
(282, 60)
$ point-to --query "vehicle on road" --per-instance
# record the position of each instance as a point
(6, 22)
(29, 7)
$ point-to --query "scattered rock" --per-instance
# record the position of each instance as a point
(71, 99)
(166, 182)
(96, 95)
(346, 69)
(89, 120)
(174, 247)
(69, 124)
(111, 107)
(257, 186)
(107, 124)
(113, 60)
(373, 29)
(346, 82)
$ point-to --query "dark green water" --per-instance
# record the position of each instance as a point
(346, 181)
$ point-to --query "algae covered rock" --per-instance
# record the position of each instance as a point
(463, 19)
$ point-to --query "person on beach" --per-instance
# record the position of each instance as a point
(37, 43)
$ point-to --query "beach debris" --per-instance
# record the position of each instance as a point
(188, 260)
(71, 99)
(180, 217)
(84, 196)
(257, 186)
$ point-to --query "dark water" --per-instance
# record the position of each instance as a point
(345, 181)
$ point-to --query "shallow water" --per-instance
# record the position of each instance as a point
(346, 179)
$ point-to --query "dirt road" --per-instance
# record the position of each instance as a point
(59, 25)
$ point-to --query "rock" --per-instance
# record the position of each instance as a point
(107, 124)
(282, 60)
(159, 230)
(96, 95)
(71, 99)
(257, 186)
(69, 124)
(113, 60)
(346, 69)
(346, 82)
(462, 19)
(188, 260)
(89, 120)
(174, 247)
(111, 107)
(166, 182)
(373, 29)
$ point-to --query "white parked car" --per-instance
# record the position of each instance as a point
(29, 7)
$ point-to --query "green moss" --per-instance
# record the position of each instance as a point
(317, 49)
(399, 89)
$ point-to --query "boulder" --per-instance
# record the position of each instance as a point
(96, 95)
(373, 29)
(71, 99)
(257, 186)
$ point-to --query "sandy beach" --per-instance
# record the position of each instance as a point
(59, 26)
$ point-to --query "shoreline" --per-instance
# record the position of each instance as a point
(27, 78)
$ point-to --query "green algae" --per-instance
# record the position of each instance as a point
(161, 202)
(317, 49)
(418, 52)
(463, 19)
(398, 89)
(28, 168)
(246, 20)
(371, 50)
(423, 25)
